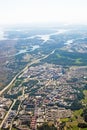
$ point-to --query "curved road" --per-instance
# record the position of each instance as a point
(21, 73)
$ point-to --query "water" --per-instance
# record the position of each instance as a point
(35, 47)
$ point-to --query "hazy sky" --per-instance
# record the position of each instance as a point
(34, 11)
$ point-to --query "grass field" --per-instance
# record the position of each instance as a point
(84, 101)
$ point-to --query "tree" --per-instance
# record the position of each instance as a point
(76, 105)
(45, 126)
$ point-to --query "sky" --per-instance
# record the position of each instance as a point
(43, 11)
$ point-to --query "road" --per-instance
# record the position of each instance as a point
(13, 80)
(7, 114)
(2, 91)
(22, 72)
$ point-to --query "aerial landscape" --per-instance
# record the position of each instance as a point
(43, 77)
(43, 65)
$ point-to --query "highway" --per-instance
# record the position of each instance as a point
(7, 113)
(22, 72)
(14, 79)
